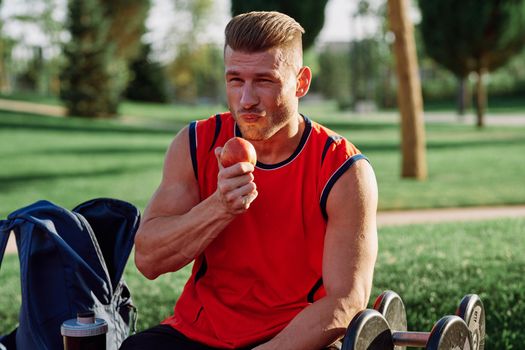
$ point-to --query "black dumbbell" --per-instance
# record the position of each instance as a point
(369, 330)
(470, 309)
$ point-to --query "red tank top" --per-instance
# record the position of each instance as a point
(265, 267)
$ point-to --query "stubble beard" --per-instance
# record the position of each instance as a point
(273, 123)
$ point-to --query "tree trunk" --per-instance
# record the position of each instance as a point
(481, 99)
(4, 79)
(462, 96)
(409, 94)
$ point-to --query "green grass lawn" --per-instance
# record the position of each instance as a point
(514, 105)
(430, 266)
(70, 160)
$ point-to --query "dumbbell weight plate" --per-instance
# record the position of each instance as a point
(368, 331)
(450, 333)
(472, 311)
(391, 306)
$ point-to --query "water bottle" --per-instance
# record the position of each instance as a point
(84, 332)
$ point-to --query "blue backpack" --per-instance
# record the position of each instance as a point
(70, 262)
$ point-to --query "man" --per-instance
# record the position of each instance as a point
(283, 252)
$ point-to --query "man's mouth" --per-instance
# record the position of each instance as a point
(250, 117)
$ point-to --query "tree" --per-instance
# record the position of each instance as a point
(5, 53)
(309, 13)
(409, 92)
(473, 36)
(366, 64)
(197, 72)
(147, 82)
(334, 76)
(40, 72)
(370, 57)
(105, 37)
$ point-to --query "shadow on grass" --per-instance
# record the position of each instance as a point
(28, 121)
(132, 150)
(433, 145)
(11, 182)
(359, 126)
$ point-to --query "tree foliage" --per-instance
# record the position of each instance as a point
(309, 13)
(473, 36)
(147, 82)
(105, 36)
(39, 70)
(334, 76)
(198, 73)
(5, 52)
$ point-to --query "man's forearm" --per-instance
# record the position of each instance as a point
(165, 244)
(317, 326)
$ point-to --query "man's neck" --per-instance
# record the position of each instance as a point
(282, 144)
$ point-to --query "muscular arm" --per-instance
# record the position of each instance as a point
(176, 227)
(348, 264)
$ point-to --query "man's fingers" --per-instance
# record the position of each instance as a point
(235, 184)
(217, 152)
(248, 199)
(237, 169)
(243, 203)
(241, 198)
(229, 184)
(239, 192)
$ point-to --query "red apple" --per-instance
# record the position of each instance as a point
(237, 150)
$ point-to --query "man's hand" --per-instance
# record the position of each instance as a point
(235, 187)
(177, 225)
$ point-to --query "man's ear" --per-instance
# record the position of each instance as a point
(304, 78)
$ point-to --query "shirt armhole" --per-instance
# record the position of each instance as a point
(193, 147)
(333, 179)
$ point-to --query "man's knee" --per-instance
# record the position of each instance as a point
(131, 343)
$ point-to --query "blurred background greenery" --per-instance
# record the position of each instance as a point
(96, 53)
(126, 91)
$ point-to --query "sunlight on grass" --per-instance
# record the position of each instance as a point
(430, 266)
(70, 160)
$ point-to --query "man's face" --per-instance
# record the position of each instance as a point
(262, 91)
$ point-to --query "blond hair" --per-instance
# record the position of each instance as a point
(260, 30)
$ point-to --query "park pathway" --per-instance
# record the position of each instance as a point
(429, 216)
(32, 107)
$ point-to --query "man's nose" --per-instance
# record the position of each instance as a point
(249, 97)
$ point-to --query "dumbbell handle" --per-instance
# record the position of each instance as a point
(414, 339)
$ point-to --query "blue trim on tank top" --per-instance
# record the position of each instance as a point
(304, 138)
(333, 179)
